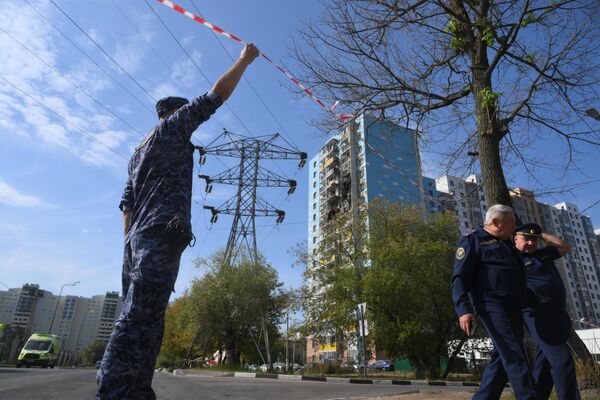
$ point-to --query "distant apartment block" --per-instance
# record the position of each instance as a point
(79, 321)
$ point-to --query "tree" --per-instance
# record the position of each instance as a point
(334, 282)
(496, 75)
(94, 352)
(229, 305)
(178, 332)
(407, 286)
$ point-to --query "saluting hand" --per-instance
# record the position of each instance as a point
(465, 322)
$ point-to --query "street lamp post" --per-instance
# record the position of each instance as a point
(58, 301)
(287, 328)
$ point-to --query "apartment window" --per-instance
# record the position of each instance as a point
(314, 228)
(315, 174)
(314, 217)
(314, 184)
(314, 206)
(314, 195)
(314, 239)
(315, 164)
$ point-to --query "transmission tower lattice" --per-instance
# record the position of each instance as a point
(246, 204)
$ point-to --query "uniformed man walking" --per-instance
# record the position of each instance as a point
(156, 208)
(545, 317)
(489, 279)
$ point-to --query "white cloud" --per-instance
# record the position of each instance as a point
(21, 114)
(12, 197)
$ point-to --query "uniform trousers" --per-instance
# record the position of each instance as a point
(150, 267)
(554, 365)
(504, 324)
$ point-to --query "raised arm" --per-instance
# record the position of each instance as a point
(562, 246)
(226, 84)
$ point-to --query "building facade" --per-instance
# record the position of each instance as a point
(369, 159)
(78, 321)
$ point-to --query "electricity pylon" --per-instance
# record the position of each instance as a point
(246, 204)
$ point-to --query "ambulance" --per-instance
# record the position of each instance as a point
(41, 349)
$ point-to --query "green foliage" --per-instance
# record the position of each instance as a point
(408, 285)
(452, 26)
(179, 332)
(488, 35)
(93, 352)
(338, 272)
(228, 305)
(457, 43)
(530, 58)
(489, 98)
(528, 20)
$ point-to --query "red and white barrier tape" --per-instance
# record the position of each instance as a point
(229, 35)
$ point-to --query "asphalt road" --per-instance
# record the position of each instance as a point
(79, 384)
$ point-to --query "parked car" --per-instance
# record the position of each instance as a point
(383, 365)
(252, 367)
(297, 367)
(264, 368)
(279, 366)
(353, 366)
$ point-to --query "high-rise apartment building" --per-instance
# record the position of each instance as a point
(369, 159)
(78, 321)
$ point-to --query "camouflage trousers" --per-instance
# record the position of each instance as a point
(150, 267)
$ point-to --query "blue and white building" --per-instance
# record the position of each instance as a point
(369, 159)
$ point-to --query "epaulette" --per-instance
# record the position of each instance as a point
(469, 232)
(488, 242)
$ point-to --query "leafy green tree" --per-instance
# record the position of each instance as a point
(178, 333)
(334, 283)
(94, 352)
(230, 304)
(408, 284)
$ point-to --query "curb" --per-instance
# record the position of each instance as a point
(357, 381)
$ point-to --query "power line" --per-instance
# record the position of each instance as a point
(90, 58)
(160, 58)
(103, 51)
(86, 133)
(71, 82)
(249, 83)
(581, 212)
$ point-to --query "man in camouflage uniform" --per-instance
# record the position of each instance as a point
(156, 208)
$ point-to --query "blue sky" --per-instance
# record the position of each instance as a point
(59, 189)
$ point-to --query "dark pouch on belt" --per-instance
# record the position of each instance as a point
(178, 235)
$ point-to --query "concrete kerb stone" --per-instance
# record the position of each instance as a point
(245, 375)
(291, 377)
(340, 380)
(334, 379)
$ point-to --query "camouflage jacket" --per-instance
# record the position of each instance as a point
(159, 186)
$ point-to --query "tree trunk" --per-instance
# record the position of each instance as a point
(494, 183)
(489, 131)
